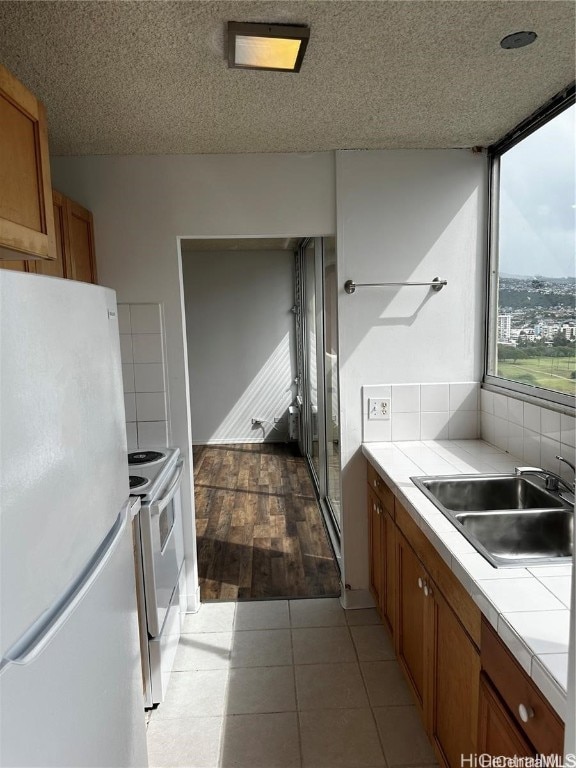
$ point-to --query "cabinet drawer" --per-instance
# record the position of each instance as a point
(544, 729)
(381, 490)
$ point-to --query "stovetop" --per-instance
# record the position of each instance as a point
(149, 469)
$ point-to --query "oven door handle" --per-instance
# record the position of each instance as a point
(162, 503)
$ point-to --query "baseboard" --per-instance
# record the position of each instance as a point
(239, 441)
(193, 601)
(351, 599)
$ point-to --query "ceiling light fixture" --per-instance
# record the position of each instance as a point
(518, 40)
(277, 47)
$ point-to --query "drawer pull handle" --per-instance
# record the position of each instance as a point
(427, 590)
(526, 712)
(420, 582)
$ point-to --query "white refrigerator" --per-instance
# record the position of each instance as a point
(70, 676)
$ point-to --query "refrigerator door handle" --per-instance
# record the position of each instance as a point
(47, 626)
(162, 503)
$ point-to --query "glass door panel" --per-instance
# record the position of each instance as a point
(331, 378)
(311, 358)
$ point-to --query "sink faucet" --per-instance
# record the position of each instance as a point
(552, 481)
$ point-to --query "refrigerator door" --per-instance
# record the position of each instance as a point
(71, 694)
(63, 466)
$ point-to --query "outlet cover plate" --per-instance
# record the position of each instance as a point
(379, 408)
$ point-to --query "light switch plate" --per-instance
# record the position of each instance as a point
(379, 408)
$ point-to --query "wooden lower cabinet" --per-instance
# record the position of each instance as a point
(497, 731)
(382, 534)
(411, 620)
(522, 713)
(377, 563)
(441, 662)
(436, 649)
(455, 670)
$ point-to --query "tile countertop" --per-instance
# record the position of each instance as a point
(529, 607)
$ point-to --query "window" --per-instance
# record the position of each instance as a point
(532, 323)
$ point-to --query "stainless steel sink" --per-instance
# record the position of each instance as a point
(484, 492)
(510, 520)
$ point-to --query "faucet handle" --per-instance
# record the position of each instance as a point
(524, 470)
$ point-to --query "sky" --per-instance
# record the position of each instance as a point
(538, 201)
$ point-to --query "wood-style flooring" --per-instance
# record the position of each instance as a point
(259, 528)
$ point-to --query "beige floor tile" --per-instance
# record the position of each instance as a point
(262, 648)
(184, 742)
(403, 737)
(211, 617)
(260, 689)
(340, 738)
(362, 617)
(385, 683)
(322, 645)
(372, 643)
(330, 686)
(317, 612)
(262, 614)
(203, 651)
(261, 741)
(200, 693)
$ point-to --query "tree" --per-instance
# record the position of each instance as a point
(560, 340)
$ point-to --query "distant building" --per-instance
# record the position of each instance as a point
(504, 327)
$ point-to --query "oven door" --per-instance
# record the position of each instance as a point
(162, 555)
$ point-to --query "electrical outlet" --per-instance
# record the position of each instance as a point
(379, 408)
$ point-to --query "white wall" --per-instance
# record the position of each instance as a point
(141, 205)
(403, 215)
(241, 343)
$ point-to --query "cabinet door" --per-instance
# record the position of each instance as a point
(455, 669)
(497, 731)
(389, 596)
(81, 237)
(26, 218)
(376, 549)
(410, 618)
(17, 266)
(60, 267)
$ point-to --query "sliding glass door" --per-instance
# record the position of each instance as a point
(318, 371)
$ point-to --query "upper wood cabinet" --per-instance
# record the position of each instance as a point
(74, 244)
(81, 239)
(26, 217)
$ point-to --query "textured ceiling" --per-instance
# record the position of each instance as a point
(143, 77)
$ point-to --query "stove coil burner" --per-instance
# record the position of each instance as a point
(137, 482)
(144, 457)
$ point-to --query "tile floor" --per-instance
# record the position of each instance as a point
(286, 684)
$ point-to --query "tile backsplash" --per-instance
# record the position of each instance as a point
(445, 411)
(144, 373)
(534, 433)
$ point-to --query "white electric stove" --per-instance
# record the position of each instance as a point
(155, 476)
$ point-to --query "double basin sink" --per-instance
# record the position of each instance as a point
(511, 520)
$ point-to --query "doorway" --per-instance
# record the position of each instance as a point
(261, 531)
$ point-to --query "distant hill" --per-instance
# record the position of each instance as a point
(538, 277)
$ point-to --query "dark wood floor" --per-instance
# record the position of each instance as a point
(260, 531)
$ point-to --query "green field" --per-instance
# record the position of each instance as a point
(548, 372)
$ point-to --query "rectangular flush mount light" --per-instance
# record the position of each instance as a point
(279, 47)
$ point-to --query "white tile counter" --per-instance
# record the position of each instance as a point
(528, 607)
